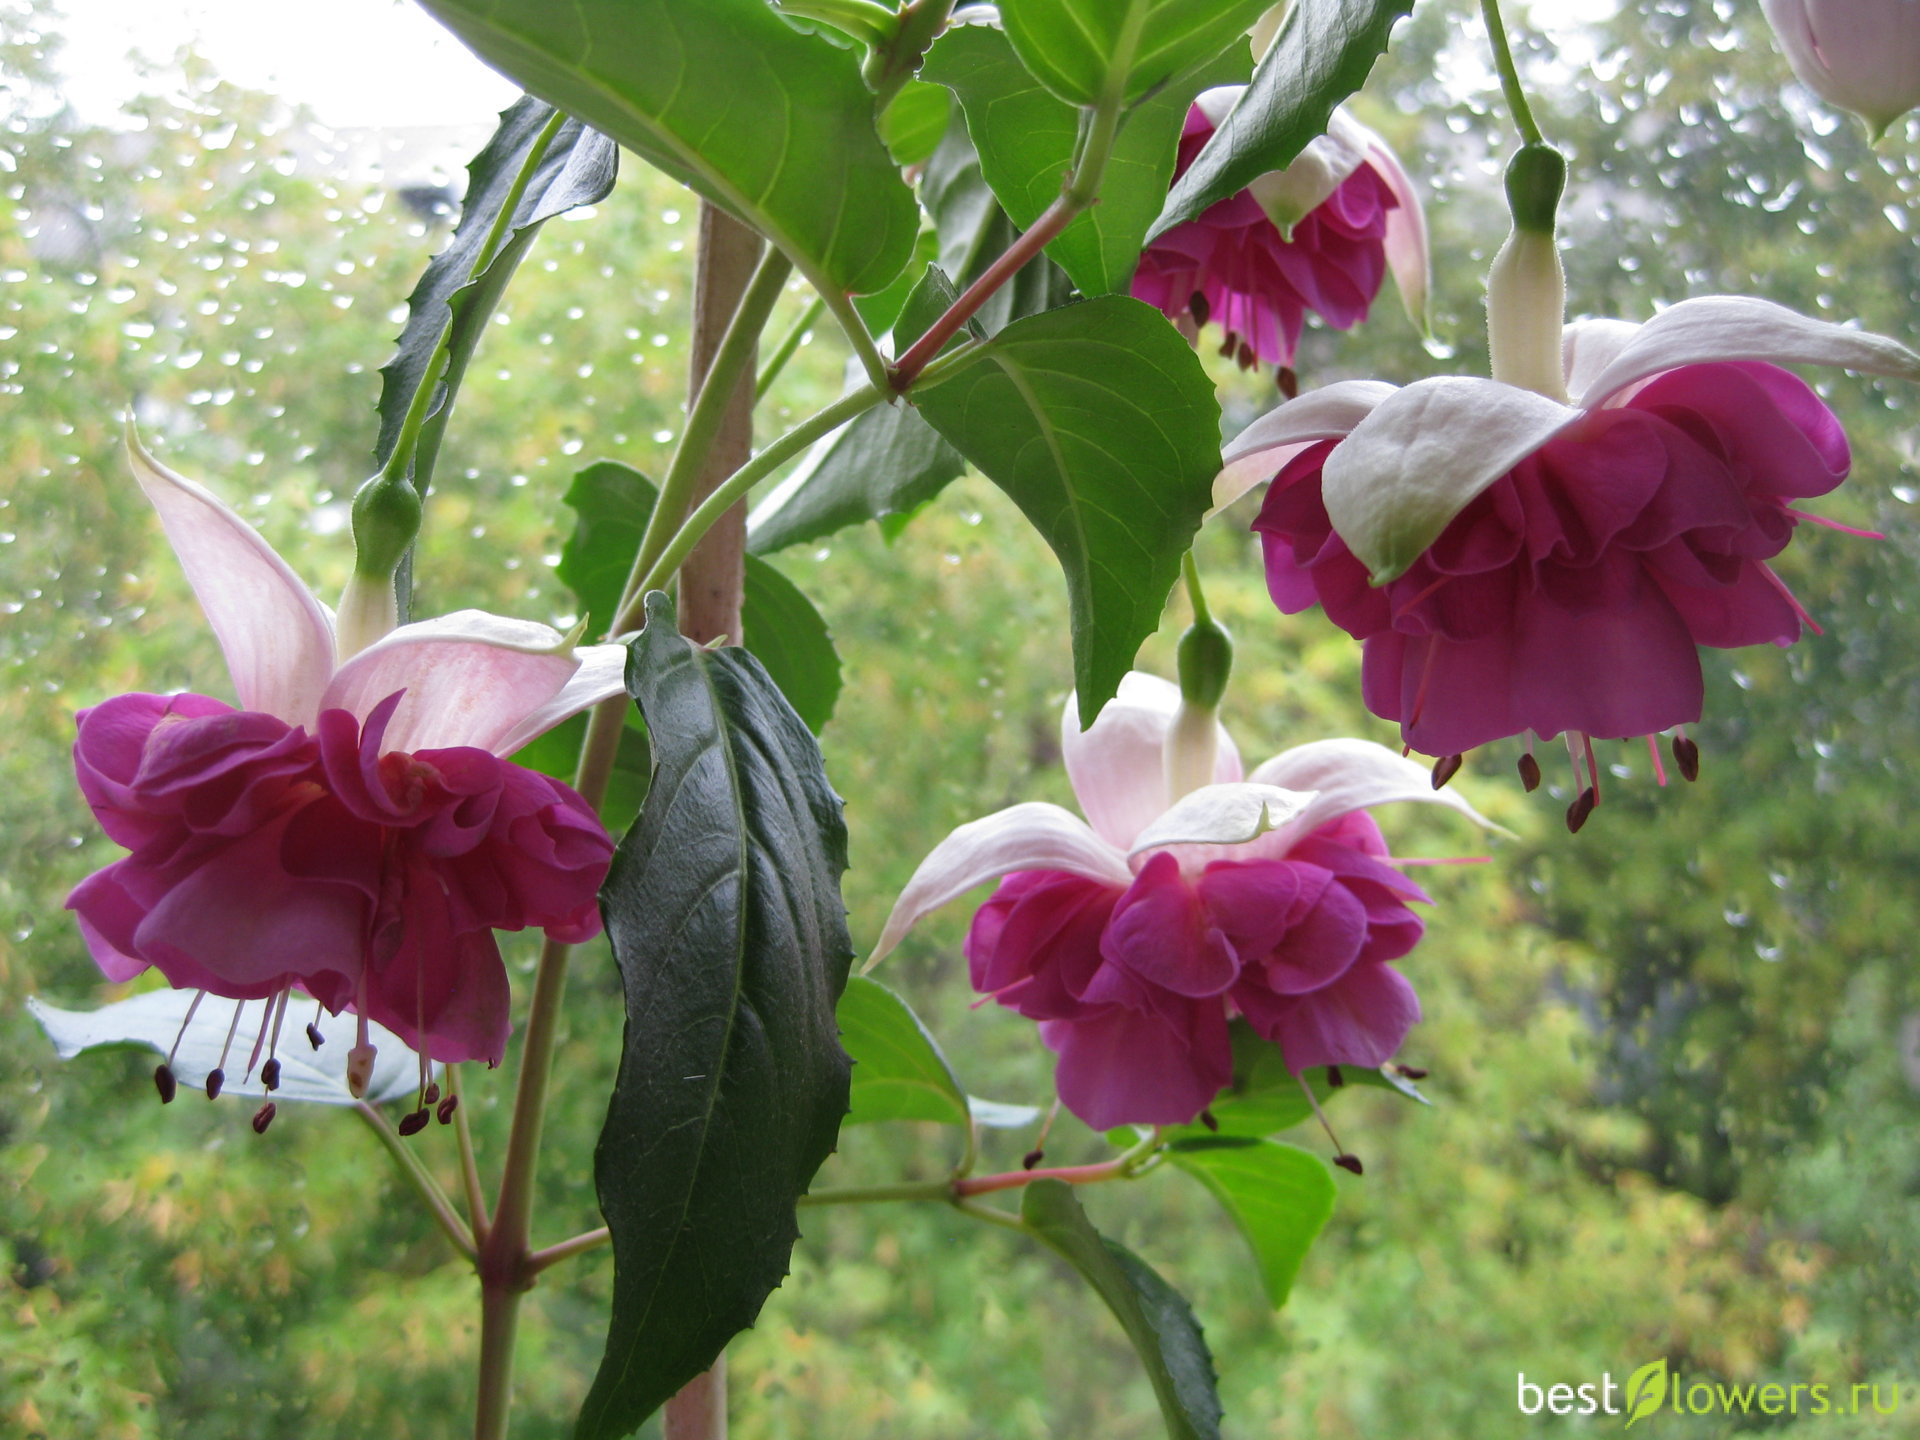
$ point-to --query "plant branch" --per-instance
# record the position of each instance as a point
(578, 1245)
(789, 344)
(422, 1180)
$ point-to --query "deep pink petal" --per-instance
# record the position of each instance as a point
(1360, 1020)
(1161, 933)
(1125, 1067)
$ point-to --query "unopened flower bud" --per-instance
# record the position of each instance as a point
(1526, 288)
(1861, 55)
(386, 518)
(1205, 660)
(1193, 740)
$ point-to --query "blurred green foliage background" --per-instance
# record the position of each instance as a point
(1676, 1058)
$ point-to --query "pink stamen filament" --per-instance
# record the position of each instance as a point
(182, 1032)
(1659, 770)
(1593, 770)
(1787, 595)
(1825, 523)
(239, 1006)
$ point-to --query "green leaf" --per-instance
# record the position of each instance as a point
(887, 462)
(786, 634)
(1646, 1390)
(1079, 49)
(1264, 1096)
(1321, 56)
(611, 503)
(973, 232)
(1099, 422)
(154, 1022)
(1025, 139)
(914, 121)
(723, 906)
(1279, 1196)
(881, 309)
(898, 1070)
(725, 96)
(1157, 1320)
(577, 168)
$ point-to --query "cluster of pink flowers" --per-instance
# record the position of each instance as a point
(1133, 936)
(351, 832)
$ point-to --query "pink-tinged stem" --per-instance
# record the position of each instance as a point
(699, 1411)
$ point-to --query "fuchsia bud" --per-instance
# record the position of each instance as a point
(1861, 55)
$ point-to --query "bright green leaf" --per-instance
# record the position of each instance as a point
(725, 96)
(1025, 140)
(898, 1070)
(973, 232)
(1099, 422)
(1157, 1320)
(914, 121)
(1079, 49)
(1321, 56)
(723, 907)
(786, 634)
(1278, 1195)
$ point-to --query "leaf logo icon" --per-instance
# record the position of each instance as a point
(1646, 1390)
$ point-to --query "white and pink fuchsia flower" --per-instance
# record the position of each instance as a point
(1861, 55)
(351, 830)
(1134, 935)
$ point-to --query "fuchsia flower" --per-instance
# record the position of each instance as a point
(1861, 55)
(1517, 562)
(1319, 235)
(350, 831)
(1132, 936)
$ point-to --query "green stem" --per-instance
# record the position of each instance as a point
(888, 70)
(578, 1245)
(1198, 597)
(855, 329)
(873, 1194)
(409, 438)
(1509, 73)
(429, 1188)
(791, 343)
(469, 1166)
(704, 417)
(735, 488)
(865, 21)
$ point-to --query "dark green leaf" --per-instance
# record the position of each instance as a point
(887, 462)
(725, 96)
(723, 906)
(1100, 423)
(611, 503)
(898, 1070)
(787, 635)
(974, 230)
(1321, 56)
(1078, 48)
(1278, 1195)
(914, 121)
(577, 168)
(1157, 1320)
(1025, 139)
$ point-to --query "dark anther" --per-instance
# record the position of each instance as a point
(446, 1109)
(1529, 773)
(416, 1122)
(263, 1117)
(164, 1083)
(1444, 769)
(1413, 1072)
(1198, 308)
(1230, 346)
(1246, 359)
(1206, 1119)
(1287, 380)
(216, 1077)
(1580, 809)
(1686, 755)
(270, 1073)
(431, 1095)
(1334, 1077)
(1350, 1163)
(1032, 1158)
(315, 1037)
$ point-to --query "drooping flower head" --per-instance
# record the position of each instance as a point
(1861, 55)
(1518, 562)
(1320, 235)
(351, 830)
(1134, 935)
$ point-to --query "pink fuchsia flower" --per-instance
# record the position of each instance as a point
(1320, 235)
(1134, 935)
(1517, 562)
(351, 830)
(1860, 55)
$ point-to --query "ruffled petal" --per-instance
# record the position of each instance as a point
(1361, 1019)
(1032, 836)
(1739, 327)
(1129, 1067)
(1160, 933)
(277, 638)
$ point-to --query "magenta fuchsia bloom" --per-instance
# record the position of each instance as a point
(1133, 936)
(1320, 235)
(1513, 564)
(1861, 55)
(351, 831)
